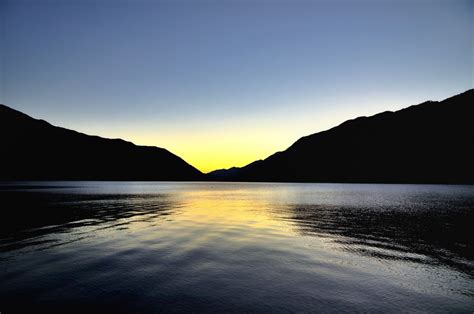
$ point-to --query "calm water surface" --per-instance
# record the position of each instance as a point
(233, 247)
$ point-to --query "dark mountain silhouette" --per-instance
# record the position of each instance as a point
(428, 143)
(223, 173)
(36, 150)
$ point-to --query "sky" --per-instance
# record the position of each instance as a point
(224, 83)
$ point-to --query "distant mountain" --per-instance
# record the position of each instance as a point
(36, 150)
(432, 142)
(223, 173)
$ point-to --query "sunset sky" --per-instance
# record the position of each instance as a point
(224, 83)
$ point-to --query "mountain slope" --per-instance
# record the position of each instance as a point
(427, 143)
(36, 150)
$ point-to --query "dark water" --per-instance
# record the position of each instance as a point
(236, 247)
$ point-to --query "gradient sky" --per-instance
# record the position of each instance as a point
(223, 83)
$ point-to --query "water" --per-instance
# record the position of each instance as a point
(233, 247)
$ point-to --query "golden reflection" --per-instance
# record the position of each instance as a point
(227, 209)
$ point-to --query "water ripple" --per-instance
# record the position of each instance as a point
(236, 247)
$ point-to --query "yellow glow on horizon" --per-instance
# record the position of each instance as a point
(208, 152)
(221, 144)
(218, 147)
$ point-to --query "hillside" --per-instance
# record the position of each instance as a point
(426, 143)
(36, 150)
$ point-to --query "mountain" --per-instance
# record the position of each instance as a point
(36, 150)
(427, 143)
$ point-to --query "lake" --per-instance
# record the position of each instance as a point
(235, 247)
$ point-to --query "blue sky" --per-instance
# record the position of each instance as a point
(222, 83)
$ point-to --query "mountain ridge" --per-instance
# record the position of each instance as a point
(90, 157)
(424, 143)
(420, 120)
